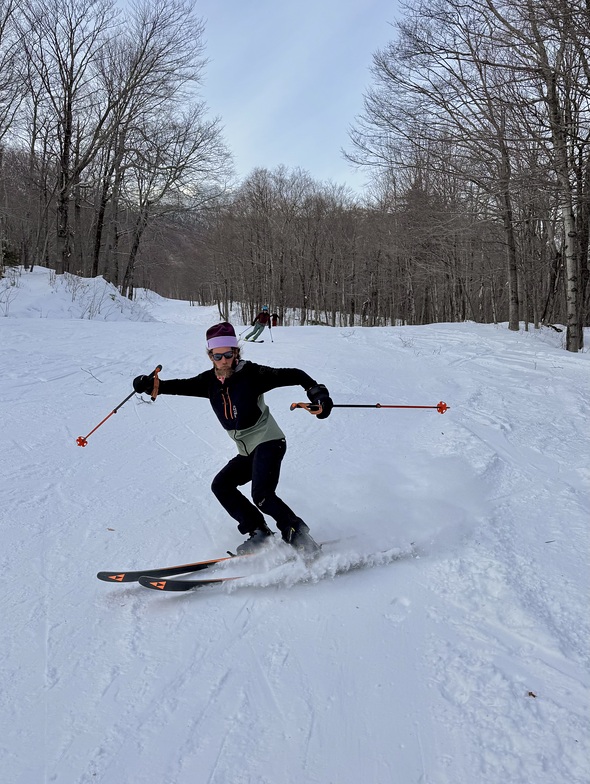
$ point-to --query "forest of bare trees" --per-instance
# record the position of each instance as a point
(475, 137)
(101, 131)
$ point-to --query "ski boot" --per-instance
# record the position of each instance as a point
(298, 536)
(256, 540)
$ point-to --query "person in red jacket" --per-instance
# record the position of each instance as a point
(260, 322)
(235, 388)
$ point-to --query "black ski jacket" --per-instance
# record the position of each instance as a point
(238, 401)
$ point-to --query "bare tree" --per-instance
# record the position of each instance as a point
(63, 43)
(176, 163)
(549, 38)
(155, 64)
(11, 95)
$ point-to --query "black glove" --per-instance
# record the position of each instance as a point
(143, 384)
(319, 395)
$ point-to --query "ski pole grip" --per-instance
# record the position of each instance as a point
(156, 386)
(312, 408)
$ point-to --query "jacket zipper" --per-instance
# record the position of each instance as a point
(227, 405)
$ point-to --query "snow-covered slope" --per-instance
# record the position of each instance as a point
(468, 663)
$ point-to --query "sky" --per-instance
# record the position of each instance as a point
(443, 638)
(287, 78)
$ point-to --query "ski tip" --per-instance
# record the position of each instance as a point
(159, 585)
(155, 583)
(112, 577)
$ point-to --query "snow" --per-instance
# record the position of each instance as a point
(442, 640)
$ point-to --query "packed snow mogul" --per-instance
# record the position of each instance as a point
(235, 388)
(260, 322)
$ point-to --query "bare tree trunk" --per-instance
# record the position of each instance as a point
(127, 283)
(2, 211)
(99, 226)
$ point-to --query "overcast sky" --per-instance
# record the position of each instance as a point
(287, 78)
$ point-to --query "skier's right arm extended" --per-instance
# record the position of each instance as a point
(192, 387)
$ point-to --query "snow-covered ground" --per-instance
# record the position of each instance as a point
(466, 664)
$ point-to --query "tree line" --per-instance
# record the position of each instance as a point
(485, 107)
(474, 136)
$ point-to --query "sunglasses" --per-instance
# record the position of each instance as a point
(226, 355)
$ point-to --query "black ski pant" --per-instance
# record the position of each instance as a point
(262, 468)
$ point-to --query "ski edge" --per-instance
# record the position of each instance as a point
(132, 576)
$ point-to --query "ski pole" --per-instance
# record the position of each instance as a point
(313, 408)
(270, 330)
(83, 440)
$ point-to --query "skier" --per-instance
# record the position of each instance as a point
(235, 388)
(274, 319)
(259, 323)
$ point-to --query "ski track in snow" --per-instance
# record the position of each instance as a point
(468, 663)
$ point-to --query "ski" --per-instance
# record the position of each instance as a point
(125, 576)
(132, 576)
(166, 584)
(253, 341)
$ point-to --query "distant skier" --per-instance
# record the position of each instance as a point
(235, 389)
(260, 322)
(274, 319)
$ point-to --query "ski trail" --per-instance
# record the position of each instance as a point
(325, 566)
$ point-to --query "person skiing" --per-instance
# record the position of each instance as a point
(274, 319)
(259, 323)
(235, 388)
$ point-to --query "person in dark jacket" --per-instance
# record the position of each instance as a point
(235, 388)
(260, 322)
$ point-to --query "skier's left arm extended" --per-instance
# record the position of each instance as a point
(270, 378)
